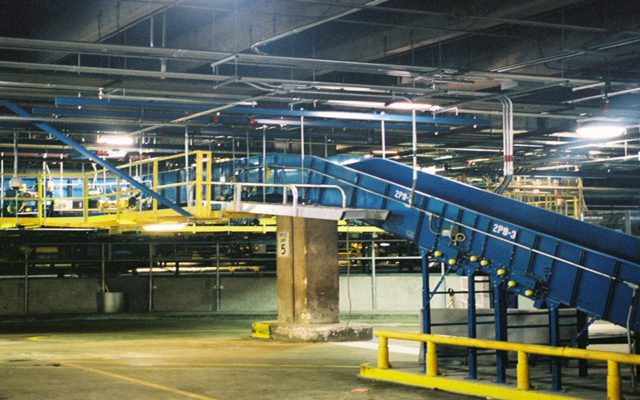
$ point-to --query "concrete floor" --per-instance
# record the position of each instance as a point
(196, 358)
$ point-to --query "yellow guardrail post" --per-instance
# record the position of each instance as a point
(613, 381)
(523, 371)
(85, 197)
(432, 359)
(383, 353)
(209, 179)
(155, 183)
(118, 198)
(40, 198)
(199, 183)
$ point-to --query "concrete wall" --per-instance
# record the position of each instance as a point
(11, 297)
(49, 296)
(249, 294)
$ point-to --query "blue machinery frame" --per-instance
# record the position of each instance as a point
(552, 259)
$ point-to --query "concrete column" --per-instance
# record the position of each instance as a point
(307, 271)
(308, 292)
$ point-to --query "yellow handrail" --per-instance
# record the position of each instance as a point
(613, 359)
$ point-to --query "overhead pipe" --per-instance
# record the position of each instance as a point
(256, 46)
(302, 149)
(102, 49)
(507, 143)
(569, 54)
(384, 137)
(238, 109)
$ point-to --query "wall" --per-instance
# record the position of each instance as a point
(49, 295)
(242, 294)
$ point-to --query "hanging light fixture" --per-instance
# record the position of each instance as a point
(600, 128)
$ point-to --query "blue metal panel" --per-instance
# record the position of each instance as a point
(93, 157)
(132, 114)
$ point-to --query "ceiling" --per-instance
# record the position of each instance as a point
(222, 72)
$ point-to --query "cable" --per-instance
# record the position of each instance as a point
(632, 344)
(348, 280)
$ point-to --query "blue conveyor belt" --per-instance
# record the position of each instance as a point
(550, 258)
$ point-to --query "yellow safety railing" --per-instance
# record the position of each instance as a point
(201, 163)
(568, 205)
(109, 207)
(432, 380)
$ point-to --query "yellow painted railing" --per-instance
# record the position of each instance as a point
(432, 380)
(109, 206)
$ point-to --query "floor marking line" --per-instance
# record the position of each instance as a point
(139, 382)
(214, 364)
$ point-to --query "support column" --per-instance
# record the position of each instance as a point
(472, 353)
(554, 340)
(500, 312)
(583, 342)
(307, 271)
(308, 284)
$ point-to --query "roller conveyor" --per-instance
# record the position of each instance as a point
(550, 258)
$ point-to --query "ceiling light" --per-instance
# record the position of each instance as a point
(600, 129)
(407, 106)
(396, 105)
(361, 89)
(356, 103)
(166, 227)
(116, 140)
(477, 160)
(387, 152)
(553, 167)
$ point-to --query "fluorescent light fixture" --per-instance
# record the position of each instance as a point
(407, 106)
(361, 89)
(115, 154)
(477, 160)
(388, 152)
(276, 121)
(356, 103)
(553, 167)
(475, 150)
(600, 129)
(116, 140)
(396, 105)
(165, 227)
